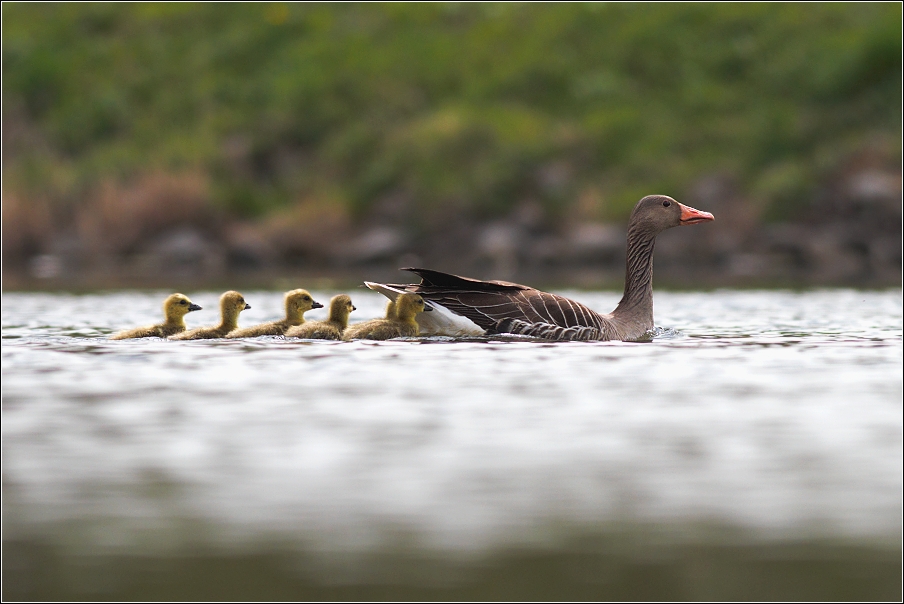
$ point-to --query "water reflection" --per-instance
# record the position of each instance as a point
(754, 423)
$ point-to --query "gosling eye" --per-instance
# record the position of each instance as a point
(666, 203)
(183, 302)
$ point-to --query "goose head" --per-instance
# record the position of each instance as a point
(340, 307)
(231, 304)
(656, 213)
(408, 305)
(298, 302)
(177, 306)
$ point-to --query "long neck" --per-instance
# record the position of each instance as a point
(637, 301)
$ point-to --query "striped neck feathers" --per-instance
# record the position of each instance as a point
(637, 300)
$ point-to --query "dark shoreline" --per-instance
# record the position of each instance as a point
(601, 567)
(275, 279)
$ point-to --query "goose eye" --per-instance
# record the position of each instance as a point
(666, 203)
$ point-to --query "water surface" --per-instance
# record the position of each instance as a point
(753, 420)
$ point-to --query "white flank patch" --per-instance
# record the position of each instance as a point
(439, 322)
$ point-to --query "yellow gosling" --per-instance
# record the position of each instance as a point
(298, 302)
(231, 304)
(331, 329)
(402, 325)
(391, 309)
(175, 308)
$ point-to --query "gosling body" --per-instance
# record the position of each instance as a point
(175, 307)
(331, 329)
(231, 304)
(399, 321)
(297, 302)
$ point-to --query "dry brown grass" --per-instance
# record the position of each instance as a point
(28, 224)
(119, 217)
(312, 227)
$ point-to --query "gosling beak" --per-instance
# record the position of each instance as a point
(353, 308)
(316, 305)
(428, 308)
(192, 307)
(691, 216)
(247, 306)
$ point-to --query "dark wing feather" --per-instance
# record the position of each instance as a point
(430, 278)
(487, 302)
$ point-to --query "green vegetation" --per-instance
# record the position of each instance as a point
(454, 109)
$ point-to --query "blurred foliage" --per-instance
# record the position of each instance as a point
(452, 108)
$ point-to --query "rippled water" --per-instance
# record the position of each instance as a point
(751, 419)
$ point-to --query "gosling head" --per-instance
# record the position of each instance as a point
(231, 304)
(298, 302)
(340, 307)
(177, 306)
(408, 305)
(656, 213)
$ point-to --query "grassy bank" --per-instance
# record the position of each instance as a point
(122, 122)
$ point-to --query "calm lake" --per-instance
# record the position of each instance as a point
(751, 450)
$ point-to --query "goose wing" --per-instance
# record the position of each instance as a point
(488, 302)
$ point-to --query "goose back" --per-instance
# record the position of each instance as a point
(488, 302)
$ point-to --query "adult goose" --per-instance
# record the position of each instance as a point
(471, 307)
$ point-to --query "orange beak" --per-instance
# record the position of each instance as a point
(691, 216)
